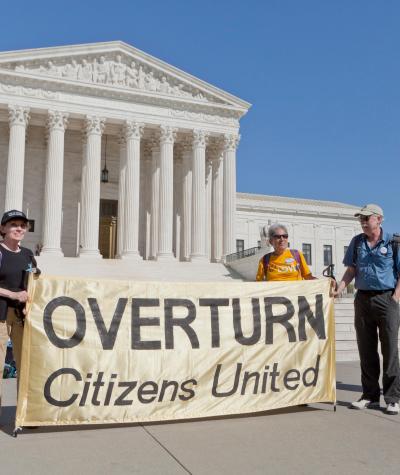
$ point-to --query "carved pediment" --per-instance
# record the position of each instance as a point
(115, 69)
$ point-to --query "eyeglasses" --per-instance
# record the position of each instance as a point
(280, 236)
(18, 225)
(363, 218)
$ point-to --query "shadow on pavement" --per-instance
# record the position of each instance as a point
(349, 387)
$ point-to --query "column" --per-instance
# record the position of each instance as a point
(94, 127)
(145, 201)
(155, 195)
(208, 226)
(198, 251)
(177, 222)
(186, 242)
(133, 133)
(217, 206)
(53, 194)
(18, 120)
(229, 207)
(121, 193)
(165, 222)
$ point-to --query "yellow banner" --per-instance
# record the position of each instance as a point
(99, 351)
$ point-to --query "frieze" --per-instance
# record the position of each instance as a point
(28, 91)
(115, 71)
(201, 117)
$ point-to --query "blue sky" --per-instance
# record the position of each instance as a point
(323, 77)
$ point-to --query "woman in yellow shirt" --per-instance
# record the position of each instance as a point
(283, 263)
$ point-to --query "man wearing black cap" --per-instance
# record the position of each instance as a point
(373, 258)
(15, 262)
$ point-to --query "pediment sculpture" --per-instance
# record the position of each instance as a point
(116, 72)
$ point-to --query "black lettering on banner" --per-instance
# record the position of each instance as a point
(288, 379)
(86, 388)
(97, 385)
(79, 334)
(165, 384)
(184, 323)
(274, 374)
(190, 391)
(317, 323)
(214, 391)
(109, 390)
(246, 378)
(237, 322)
(107, 337)
(138, 322)
(314, 372)
(47, 387)
(152, 392)
(121, 399)
(214, 304)
(282, 319)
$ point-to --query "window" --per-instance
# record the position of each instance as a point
(307, 253)
(345, 250)
(239, 245)
(31, 225)
(327, 254)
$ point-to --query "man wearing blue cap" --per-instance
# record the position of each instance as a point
(373, 259)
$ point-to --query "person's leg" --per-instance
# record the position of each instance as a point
(15, 328)
(3, 350)
(367, 341)
(389, 320)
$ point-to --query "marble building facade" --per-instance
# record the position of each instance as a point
(169, 140)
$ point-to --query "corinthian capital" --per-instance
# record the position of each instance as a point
(18, 115)
(94, 125)
(133, 129)
(231, 142)
(57, 120)
(168, 134)
(200, 138)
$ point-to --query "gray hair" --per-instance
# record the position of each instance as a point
(272, 229)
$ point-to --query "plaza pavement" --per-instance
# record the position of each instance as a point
(301, 440)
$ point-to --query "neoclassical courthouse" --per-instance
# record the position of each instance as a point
(112, 152)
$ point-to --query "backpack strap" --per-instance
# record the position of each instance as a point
(296, 256)
(266, 259)
(395, 242)
(357, 242)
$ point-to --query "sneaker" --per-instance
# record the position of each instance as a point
(364, 403)
(392, 408)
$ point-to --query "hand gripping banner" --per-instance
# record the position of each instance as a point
(102, 351)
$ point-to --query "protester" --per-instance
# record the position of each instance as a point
(283, 263)
(15, 262)
(373, 259)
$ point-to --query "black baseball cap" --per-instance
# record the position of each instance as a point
(13, 214)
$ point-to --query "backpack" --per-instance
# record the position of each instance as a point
(394, 242)
(295, 254)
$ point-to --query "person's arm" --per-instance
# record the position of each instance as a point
(260, 271)
(396, 293)
(21, 296)
(304, 269)
(348, 276)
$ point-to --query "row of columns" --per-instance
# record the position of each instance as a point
(208, 188)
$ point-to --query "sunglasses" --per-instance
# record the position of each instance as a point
(280, 236)
(364, 218)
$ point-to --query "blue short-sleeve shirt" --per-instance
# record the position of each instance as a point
(375, 267)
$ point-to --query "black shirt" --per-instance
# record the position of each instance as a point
(13, 274)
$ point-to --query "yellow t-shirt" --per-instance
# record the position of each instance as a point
(283, 267)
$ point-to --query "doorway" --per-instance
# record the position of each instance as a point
(108, 228)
